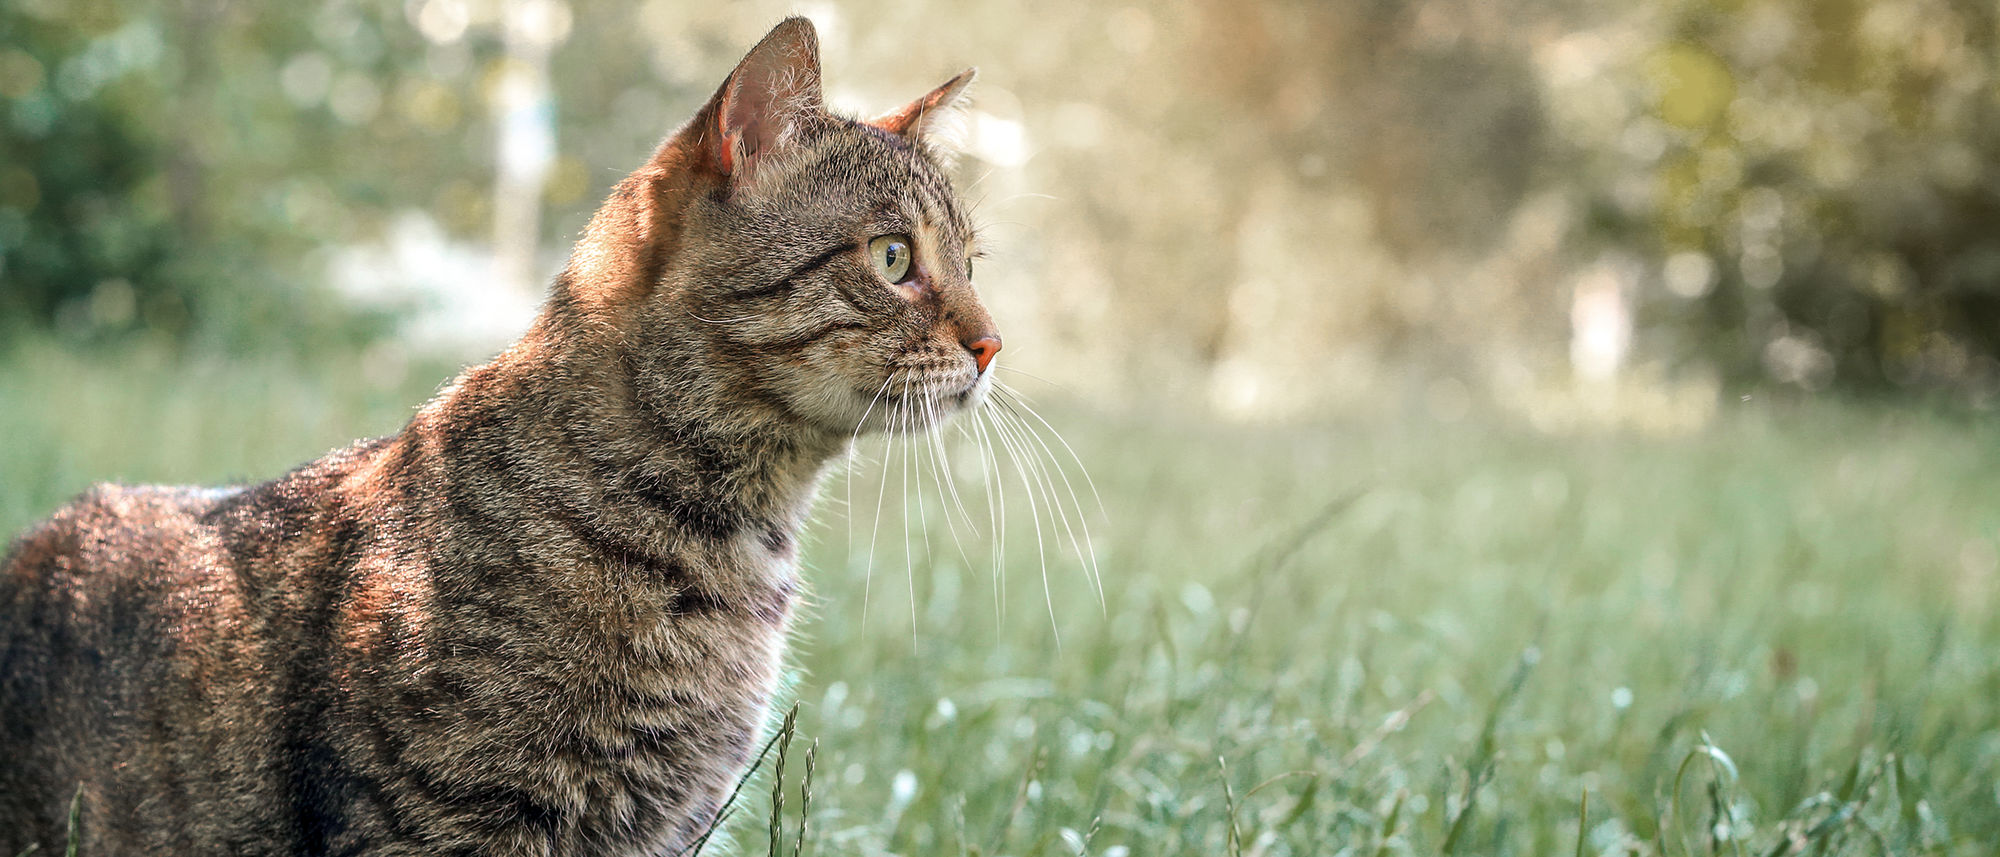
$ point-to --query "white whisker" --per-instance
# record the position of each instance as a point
(940, 467)
(693, 315)
(881, 494)
(847, 481)
(1017, 398)
(1026, 373)
(1029, 195)
(946, 485)
(1039, 485)
(1006, 424)
(1084, 554)
(911, 408)
(1036, 475)
(996, 512)
(1017, 456)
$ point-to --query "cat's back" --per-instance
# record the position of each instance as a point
(134, 619)
(97, 602)
(106, 575)
(109, 534)
(121, 560)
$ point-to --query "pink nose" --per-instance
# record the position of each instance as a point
(983, 350)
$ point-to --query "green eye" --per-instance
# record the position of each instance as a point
(891, 256)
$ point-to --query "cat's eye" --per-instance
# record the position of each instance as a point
(892, 257)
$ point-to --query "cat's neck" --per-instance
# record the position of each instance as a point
(659, 454)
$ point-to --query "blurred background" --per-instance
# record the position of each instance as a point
(1579, 213)
(1520, 425)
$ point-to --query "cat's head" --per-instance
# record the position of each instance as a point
(812, 267)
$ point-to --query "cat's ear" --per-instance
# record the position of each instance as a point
(750, 118)
(932, 119)
(770, 93)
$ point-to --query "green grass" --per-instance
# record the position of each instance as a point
(1358, 637)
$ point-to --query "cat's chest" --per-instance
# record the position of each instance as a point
(664, 690)
(744, 586)
(728, 604)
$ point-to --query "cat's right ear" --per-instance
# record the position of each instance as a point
(757, 110)
(931, 117)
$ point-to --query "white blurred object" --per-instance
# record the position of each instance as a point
(524, 108)
(997, 141)
(442, 290)
(1600, 323)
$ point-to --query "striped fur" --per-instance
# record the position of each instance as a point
(547, 616)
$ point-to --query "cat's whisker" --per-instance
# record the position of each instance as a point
(947, 467)
(1016, 455)
(1089, 557)
(941, 466)
(1028, 374)
(991, 437)
(1037, 476)
(697, 317)
(1061, 514)
(914, 408)
(881, 494)
(1022, 401)
(996, 512)
(1086, 553)
(847, 481)
(1044, 486)
(947, 487)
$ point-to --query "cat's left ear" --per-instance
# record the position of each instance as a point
(932, 119)
(773, 90)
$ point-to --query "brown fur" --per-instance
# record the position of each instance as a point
(546, 617)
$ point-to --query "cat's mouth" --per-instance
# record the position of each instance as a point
(919, 400)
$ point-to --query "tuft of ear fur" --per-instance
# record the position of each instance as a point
(751, 117)
(767, 97)
(936, 120)
(772, 90)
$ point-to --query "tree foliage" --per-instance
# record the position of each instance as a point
(1799, 191)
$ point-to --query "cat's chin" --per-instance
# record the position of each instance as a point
(898, 406)
(920, 412)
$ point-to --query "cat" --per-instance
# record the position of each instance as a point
(547, 616)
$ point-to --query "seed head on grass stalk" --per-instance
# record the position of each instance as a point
(778, 781)
(693, 849)
(805, 798)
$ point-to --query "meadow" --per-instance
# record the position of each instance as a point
(1351, 636)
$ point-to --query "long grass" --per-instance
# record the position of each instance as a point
(1362, 637)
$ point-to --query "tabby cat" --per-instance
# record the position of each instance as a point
(547, 616)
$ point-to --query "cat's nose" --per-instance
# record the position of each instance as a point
(983, 347)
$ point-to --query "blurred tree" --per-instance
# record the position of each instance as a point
(1799, 190)
(171, 166)
(1827, 188)
(87, 219)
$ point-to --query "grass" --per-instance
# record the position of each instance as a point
(1363, 637)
